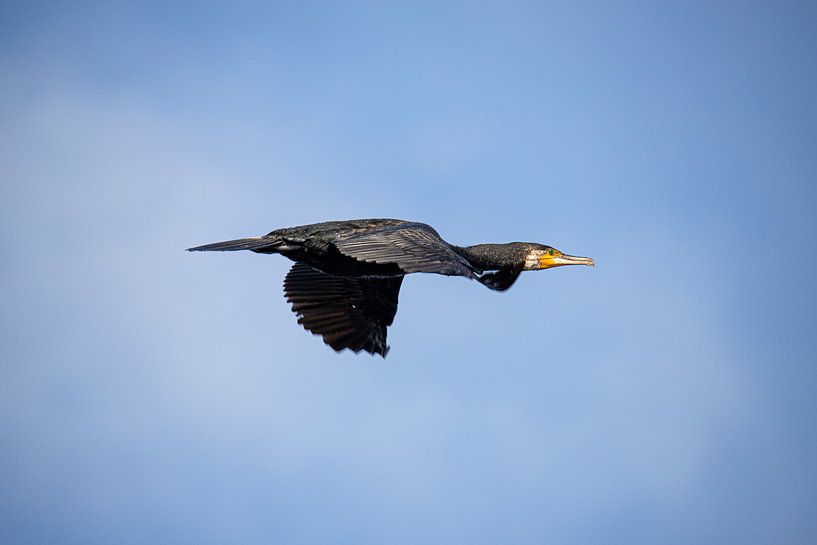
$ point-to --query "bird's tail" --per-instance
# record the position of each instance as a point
(256, 244)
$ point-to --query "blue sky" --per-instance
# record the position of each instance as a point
(666, 396)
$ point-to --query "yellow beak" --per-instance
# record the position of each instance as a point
(559, 260)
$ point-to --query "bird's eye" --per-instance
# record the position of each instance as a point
(550, 251)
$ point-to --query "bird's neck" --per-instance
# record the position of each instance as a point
(488, 257)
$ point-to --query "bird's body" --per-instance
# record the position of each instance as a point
(347, 274)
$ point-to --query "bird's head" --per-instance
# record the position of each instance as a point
(540, 256)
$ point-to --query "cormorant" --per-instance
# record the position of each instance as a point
(347, 274)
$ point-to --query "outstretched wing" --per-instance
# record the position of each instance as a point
(347, 312)
(414, 247)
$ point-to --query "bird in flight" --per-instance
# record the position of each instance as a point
(347, 274)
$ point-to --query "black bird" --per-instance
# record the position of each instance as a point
(347, 274)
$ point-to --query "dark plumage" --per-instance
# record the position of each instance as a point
(347, 274)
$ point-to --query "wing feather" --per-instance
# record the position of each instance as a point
(347, 312)
(501, 279)
(414, 247)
